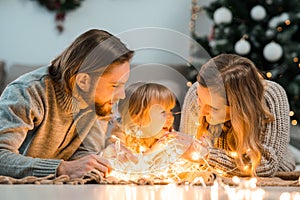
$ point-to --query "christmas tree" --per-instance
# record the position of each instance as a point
(265, 31)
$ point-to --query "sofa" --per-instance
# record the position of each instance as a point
(8, 74)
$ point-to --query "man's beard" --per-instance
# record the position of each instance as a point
(102, 110)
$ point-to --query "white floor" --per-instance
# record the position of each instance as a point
(122, 192)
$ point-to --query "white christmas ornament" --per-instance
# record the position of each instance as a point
(258, 13)
(284, 16)
(222, 15)
(272, 52)
(274, 22)
(242, 47)
(270, 33)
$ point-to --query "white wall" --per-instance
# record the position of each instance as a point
(28, 34)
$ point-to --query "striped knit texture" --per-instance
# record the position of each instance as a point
(274, 140)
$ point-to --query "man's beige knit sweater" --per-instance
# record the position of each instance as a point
(275, 139)
(40, 125)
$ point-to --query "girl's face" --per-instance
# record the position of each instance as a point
(161, 120)
(212, 106)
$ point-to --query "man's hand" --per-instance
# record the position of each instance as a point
(78, 168)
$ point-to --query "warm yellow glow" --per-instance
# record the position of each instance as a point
(269, 74)
(294, 122)
(285, 196)
(199, 180)
(195, 156)
(236, 180)
(214, 192)
(189, 84)
(295, 59)
(279, 28)
(246, 168)
(258, 194)
(233, 154)
(287, 22)
(246, 189)
(252, 182)
(292, 113)
(299, 65)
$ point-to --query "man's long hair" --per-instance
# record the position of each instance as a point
(90, 53)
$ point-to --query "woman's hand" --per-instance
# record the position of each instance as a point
(194, 149)
(197, 151)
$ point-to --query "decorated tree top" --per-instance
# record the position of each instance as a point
(265, 31)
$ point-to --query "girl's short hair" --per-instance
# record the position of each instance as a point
(140, 96)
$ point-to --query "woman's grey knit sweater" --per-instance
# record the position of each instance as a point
(274, 140)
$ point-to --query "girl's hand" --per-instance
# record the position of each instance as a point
(118, 151)
(117, 134)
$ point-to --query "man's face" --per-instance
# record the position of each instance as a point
(110, 88)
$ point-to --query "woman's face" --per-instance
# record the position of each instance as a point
(212, 106)
(161, 120)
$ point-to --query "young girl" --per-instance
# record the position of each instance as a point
(245, 117)
(146, 115)
(145, 128)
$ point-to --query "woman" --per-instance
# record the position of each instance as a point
(244, 117)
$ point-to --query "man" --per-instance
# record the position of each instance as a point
(52, 120)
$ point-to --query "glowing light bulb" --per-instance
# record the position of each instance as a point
(236, 180)
(246, 168)
(294, 122)
(189, 84)
(295, 59)
(233, 154)
(285, 196)
(252, 182)
(269, 74)
(292, 113)
(279, 28)
(195, 156)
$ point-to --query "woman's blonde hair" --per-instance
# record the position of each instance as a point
(238, 80)
(135, 108)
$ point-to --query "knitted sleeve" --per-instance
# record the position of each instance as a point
(189, 112)
(20, 110)
(274, 140)
(94, 142)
